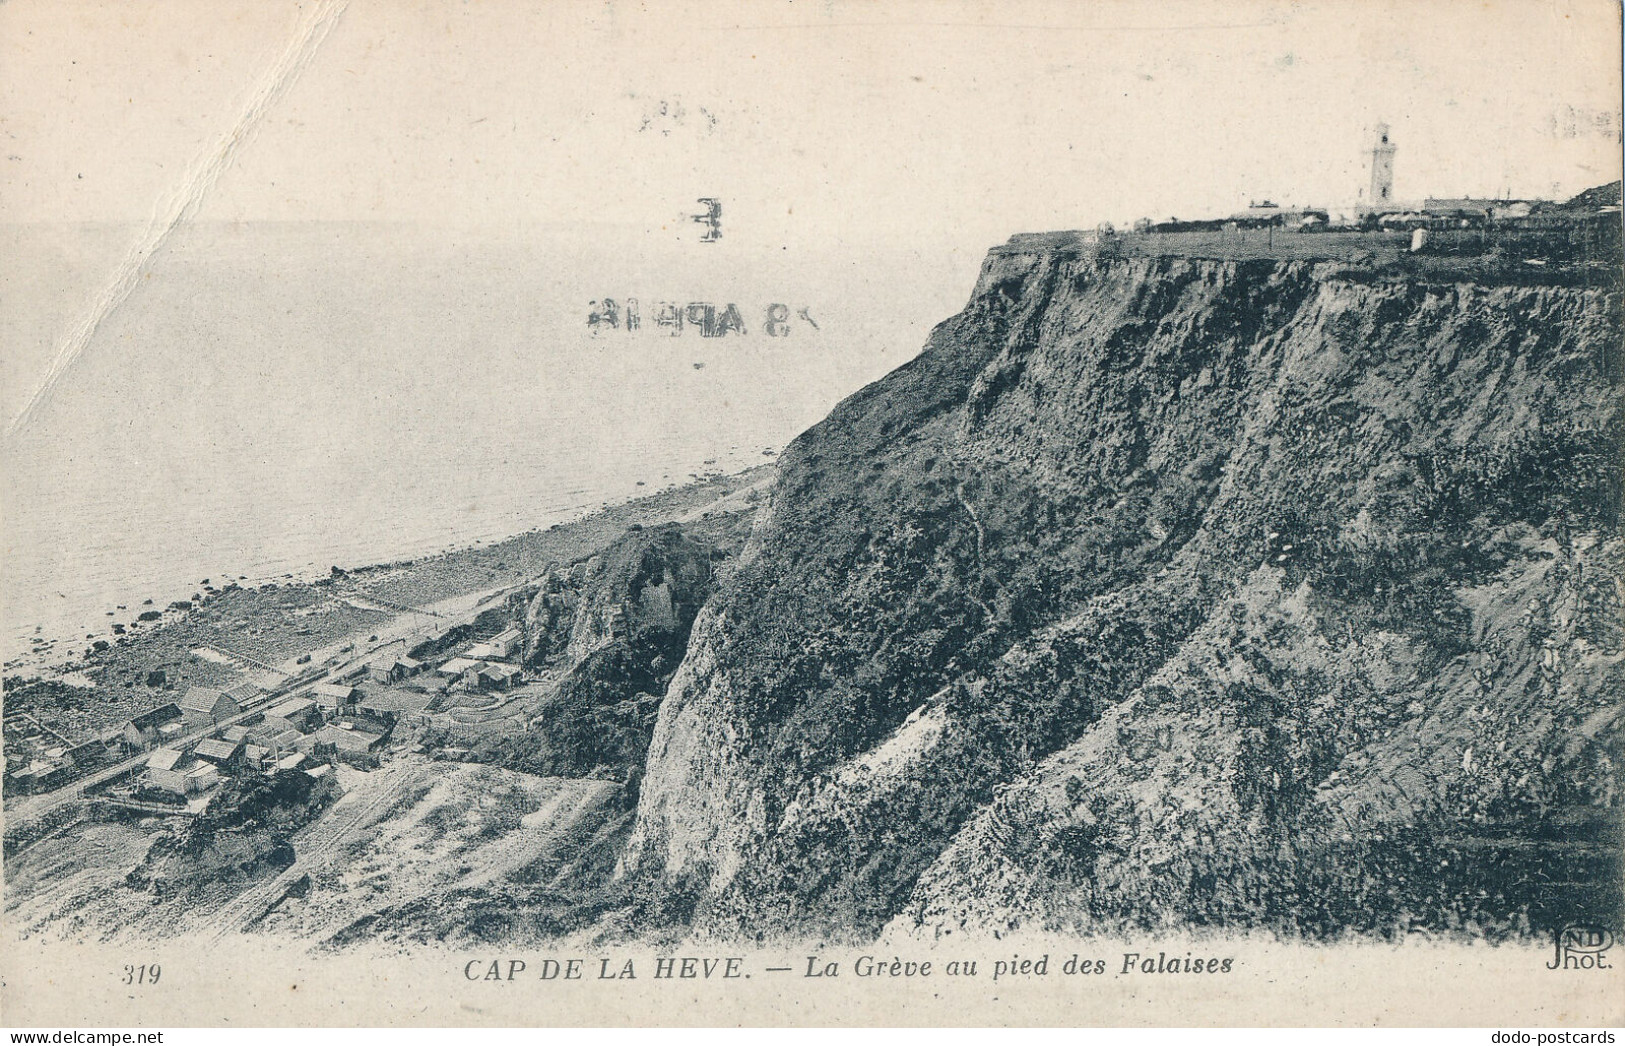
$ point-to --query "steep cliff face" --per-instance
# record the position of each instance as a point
(1162, 591)
(617, 629)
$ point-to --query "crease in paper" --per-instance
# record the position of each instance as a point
(182, 202)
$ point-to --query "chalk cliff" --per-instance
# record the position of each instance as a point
(1174, 592)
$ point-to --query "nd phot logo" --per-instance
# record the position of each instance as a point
(1582, 946)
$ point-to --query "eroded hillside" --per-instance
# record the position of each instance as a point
(1173, 592)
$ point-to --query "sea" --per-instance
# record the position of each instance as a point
(274, 399)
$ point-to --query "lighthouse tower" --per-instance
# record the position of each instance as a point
(1382, 171)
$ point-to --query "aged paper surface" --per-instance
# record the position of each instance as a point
(827, 513)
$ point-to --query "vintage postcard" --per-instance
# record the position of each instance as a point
(812, 513)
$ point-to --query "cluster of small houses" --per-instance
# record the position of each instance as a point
(331, 724)
(486, 665)
(44, 770)
(333, 721)
(1502, 221)
(200, 708)
(1432, 213)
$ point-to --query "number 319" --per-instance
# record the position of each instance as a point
(143, 974)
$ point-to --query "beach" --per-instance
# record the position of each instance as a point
(275, 632)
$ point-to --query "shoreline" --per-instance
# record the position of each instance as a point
(56, 654)
(262, 633)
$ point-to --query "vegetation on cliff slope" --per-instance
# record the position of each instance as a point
(1342, 545)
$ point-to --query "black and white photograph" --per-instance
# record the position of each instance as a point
(808, 513)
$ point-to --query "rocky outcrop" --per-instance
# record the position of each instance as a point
(549, 617)
(644, 589)
(619, 627)
(1162, 591)
(245, 831)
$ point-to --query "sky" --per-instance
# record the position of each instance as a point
(824, 126)
(277, 273)
(816, 122)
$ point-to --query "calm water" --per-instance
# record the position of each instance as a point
(277, 399)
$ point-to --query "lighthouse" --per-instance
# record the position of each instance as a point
(1382, 170)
